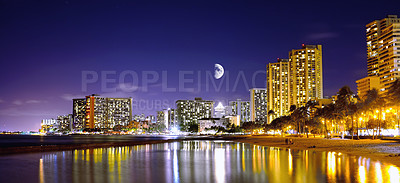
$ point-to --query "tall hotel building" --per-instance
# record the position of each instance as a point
(101, 113)
(278, 87)
(167, 117)
(296, 80)
(258, 105)
(383, 52)
(193, 110)
(305, 74)
(241, 108)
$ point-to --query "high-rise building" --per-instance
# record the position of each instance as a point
(383, 50)
(192, 110)
(101, 113)
(305, 74)
(119, 111)
(258, 105)
(366, 84)
(239, 108)
(78, 114)
(64, 123)
(167, 117)
(278, 87)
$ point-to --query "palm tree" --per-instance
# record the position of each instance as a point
(299, 116)
(374, 101)
(394, 98)
(292, 108)
(326, 113)
(270, 112)
(357, 110)
(346, 105)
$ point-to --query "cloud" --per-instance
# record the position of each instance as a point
(18, 112)
(322, 35)
(34, 101)
(1, 101)
(127, 87)
(18, 102)
(69, 97)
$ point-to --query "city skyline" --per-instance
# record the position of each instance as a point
(45, 55)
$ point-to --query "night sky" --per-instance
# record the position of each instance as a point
(45, 46)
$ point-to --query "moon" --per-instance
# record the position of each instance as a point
(219, 71)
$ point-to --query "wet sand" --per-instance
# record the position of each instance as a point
(387, 151)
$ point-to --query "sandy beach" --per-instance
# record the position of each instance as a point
(383, 150)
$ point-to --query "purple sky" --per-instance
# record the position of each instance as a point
(45, 46)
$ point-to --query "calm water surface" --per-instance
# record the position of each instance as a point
(194, 161)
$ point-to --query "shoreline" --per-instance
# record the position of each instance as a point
(387, 151)
(61, 147)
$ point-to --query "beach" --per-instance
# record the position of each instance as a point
(387, 151)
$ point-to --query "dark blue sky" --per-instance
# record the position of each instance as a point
(46, 45)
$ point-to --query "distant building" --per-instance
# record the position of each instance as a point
(210, 122)
(278, 87)
(383, 55)
(142, 117)
(49, 126)
(172, 118)
(219, 111)
(258, 105)
(151, 119)
(78, 114)
(305, 74)
(239, 108)
(95, 112)
(366, 84)
(192, 110)
(167, 117)
(160, 116)
(234, 120)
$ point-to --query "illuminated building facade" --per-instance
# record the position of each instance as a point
(383, 50)
(258, 104)
(210, 122)
(160, 116)
(78, 114)
(192, 110)
(239, 108)
(366, 84)
(167, 117)
(119, 111)
(278, 87)
(65, 123)
(305, 74)
(95, 112)
(49, 125)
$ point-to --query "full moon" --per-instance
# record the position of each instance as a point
(219, 71)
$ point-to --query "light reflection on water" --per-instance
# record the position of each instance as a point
(203, 161)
